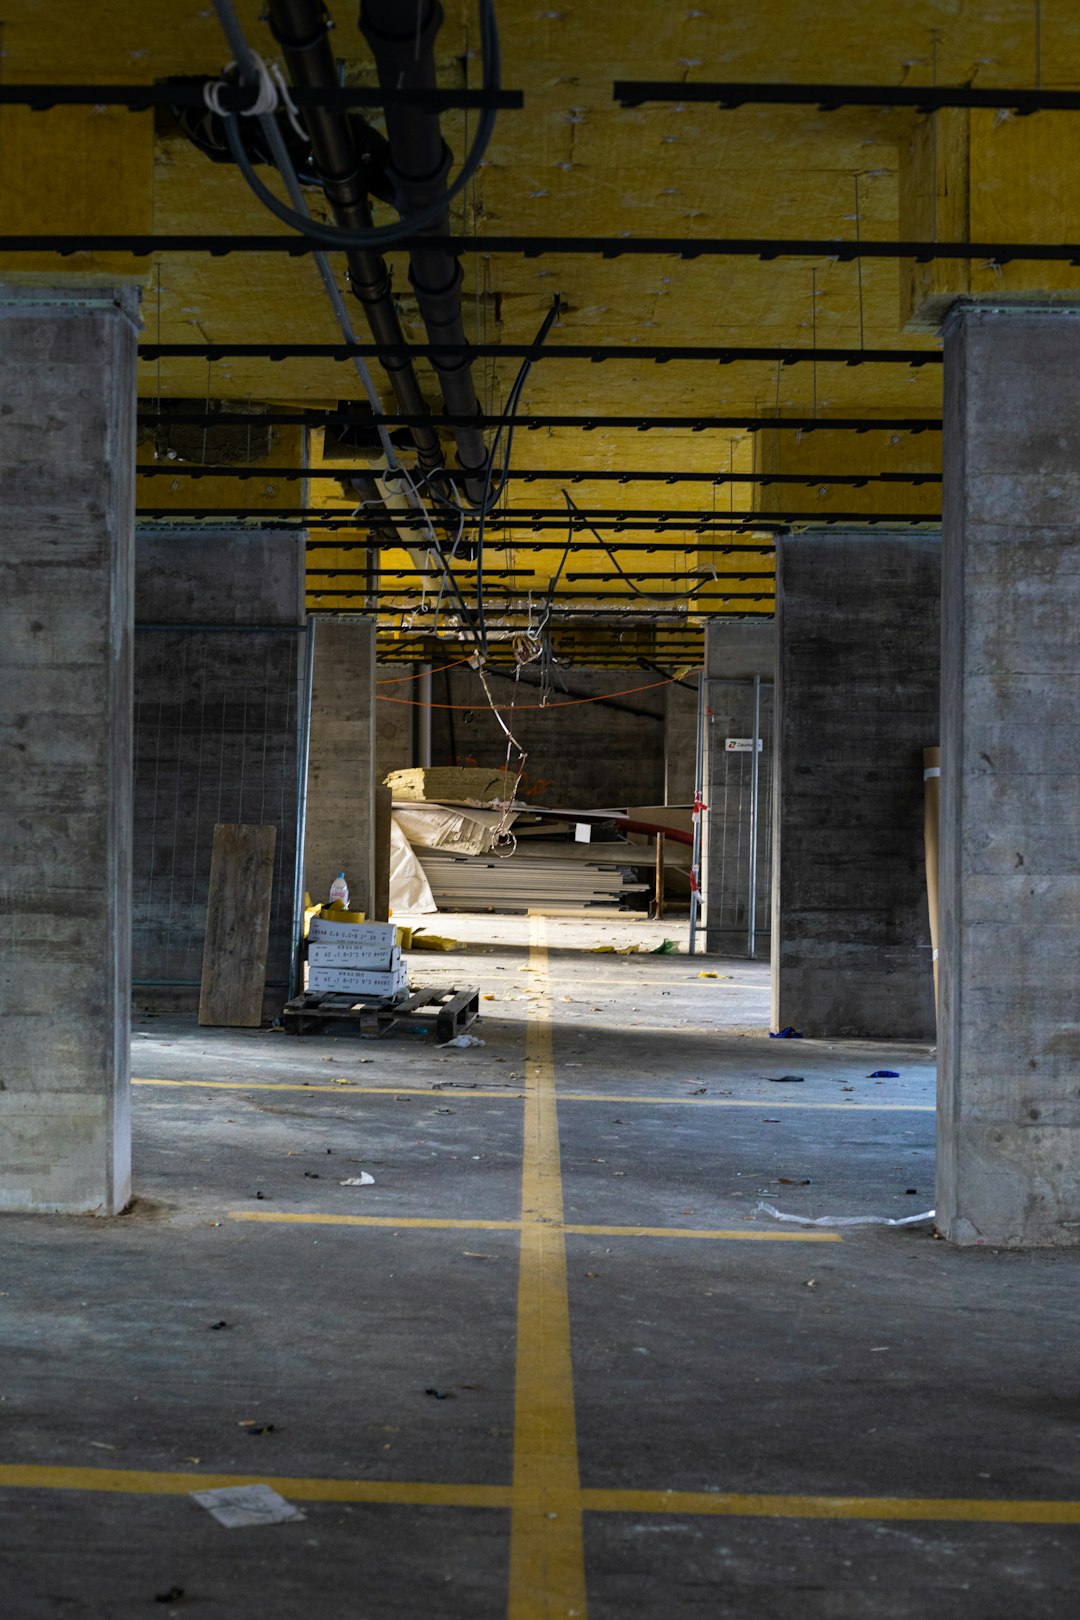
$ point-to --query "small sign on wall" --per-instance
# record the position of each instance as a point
(742, 745)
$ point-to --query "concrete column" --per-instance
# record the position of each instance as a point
(341, 768)
(217, 689)
(1009, 1102)
(67, 449)
(857, 701)
(735, 652)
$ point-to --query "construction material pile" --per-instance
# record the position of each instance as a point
(548, 875)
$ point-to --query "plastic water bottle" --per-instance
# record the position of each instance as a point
(339, 890)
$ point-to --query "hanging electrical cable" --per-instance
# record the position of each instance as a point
(506, 424)
(620, 570)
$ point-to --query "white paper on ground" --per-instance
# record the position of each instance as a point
(362, 1180)
(237, 1506)
(846, 1220)
(463, 1040)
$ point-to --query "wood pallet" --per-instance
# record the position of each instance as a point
(449, 1011)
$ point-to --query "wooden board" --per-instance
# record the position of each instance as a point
(237, 926)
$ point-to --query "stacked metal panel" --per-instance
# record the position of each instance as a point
(539, 875)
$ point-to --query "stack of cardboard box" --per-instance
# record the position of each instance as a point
(355, 957)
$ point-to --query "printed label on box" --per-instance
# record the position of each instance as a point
(343, 953)
(383, 934)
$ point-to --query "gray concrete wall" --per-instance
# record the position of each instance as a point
(341, 770)
(1009, 1103)
(588, 756)
(858, 673)
(680, 741)
(736, 651)
(217, 692)
(67, 448)
(394, 721)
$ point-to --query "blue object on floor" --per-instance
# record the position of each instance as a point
(884, 1074)
(788, 1034)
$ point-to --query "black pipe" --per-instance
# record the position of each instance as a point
(300, 28)
(402, 40)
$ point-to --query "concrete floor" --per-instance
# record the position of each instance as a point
(778, 1385)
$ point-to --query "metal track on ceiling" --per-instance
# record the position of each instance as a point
(924, 98)
(219, 245)
(596, 353)
(588, 423)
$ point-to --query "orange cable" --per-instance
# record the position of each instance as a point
(395, 680)
(567, 703)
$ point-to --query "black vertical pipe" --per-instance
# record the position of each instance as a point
(300, 28)
(402, 39)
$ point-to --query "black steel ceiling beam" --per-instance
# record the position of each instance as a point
(557, 524)
(406, 594)
(240, 97)
(751, 548)
(468, 576)
(923, 98)
(587, 423)
(565, 612)
(579, 518)
(534, 247)
(596, 353)
(532, 475)
(685, 579)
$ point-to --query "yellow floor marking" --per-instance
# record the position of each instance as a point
(515, 1096)
(136, 1482)
(337, 1090)
(693, 1504)
(748, 1102)
(720, 1235)
(736, 1235)
(395, 1221)
(547, 1555)
(940, 1508)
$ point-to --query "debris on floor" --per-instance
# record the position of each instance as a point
(362, 1180)
(239, 1506)
(785, 1079)
(846, 1220)
(463, 1041)
(884, 1074)
(788, 1034)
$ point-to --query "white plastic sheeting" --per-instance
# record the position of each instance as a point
(409, 888)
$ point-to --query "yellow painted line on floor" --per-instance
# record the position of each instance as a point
(973, 1510)
(547, 1554)
(302, 1218)
(434, 1222)
(464, 1093)
(740, 1234)
(765, 1103)
(136, 1482)
(419, 1493)
(342, 1088)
